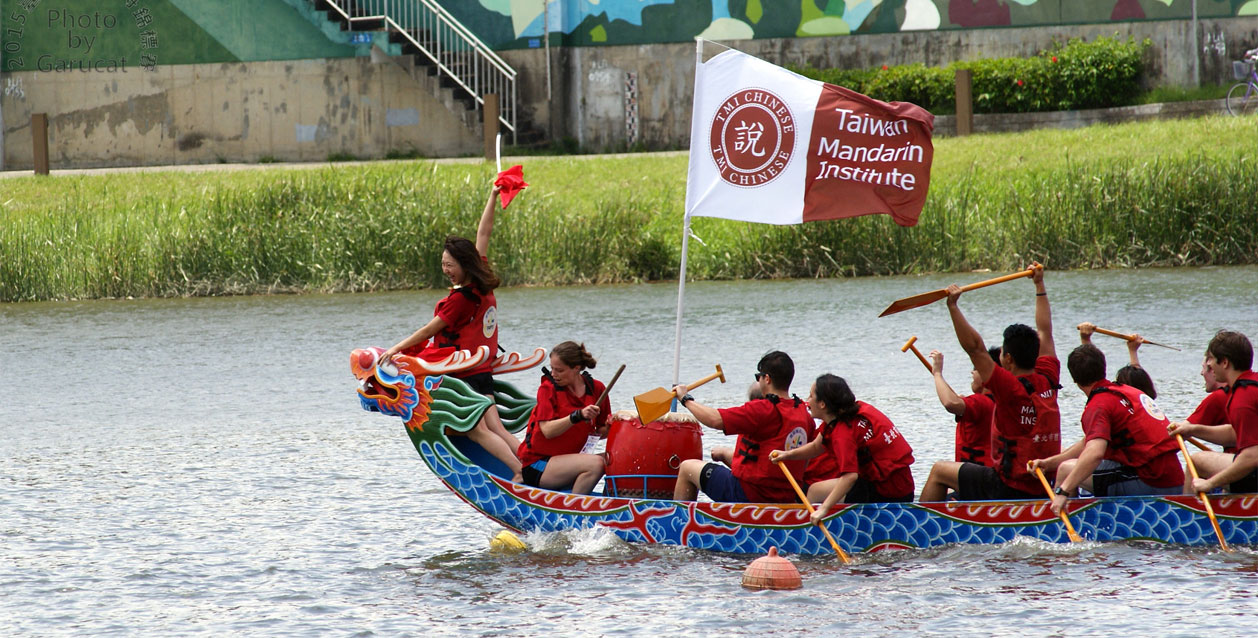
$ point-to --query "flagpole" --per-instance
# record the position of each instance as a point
(685, 248)
(681, 298)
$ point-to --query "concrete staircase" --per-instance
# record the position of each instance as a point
(440, 53)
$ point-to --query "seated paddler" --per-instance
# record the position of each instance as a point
(1230, 357)
(778, 421)
(1125, 450)
(860, 438)
(568, 414)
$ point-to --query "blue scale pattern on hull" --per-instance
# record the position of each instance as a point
(858, 528)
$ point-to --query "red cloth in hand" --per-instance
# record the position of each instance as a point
(510, 182)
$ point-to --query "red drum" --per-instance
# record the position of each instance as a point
(647, 456)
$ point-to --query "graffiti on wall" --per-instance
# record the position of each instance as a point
(124, 36)
(523, 23)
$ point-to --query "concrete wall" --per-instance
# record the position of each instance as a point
(203, 113)
(367, 106)
(589, 95)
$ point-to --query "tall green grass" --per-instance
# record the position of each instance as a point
(1159, 193)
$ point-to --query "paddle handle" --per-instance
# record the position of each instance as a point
(1070, 529)
(804, 499)
(719, 374)
(1029, 272)
(1126, 337)
(908, 345)
(608, 387)
(1205, 500)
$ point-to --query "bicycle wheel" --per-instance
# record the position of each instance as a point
(1242, 99)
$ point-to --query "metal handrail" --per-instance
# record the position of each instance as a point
(446, 42)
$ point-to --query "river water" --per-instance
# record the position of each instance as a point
(201, 467)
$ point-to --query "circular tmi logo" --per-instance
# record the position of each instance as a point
(752, 137)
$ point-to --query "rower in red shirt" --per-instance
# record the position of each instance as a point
(882, 455)
(1125, 450)
(776, 422)
(973, 412)
(564, 419)
(1230, 357)
(835, 439)
(1026, 423)
(1212, 411)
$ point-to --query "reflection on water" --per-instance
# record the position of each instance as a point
(198, 467)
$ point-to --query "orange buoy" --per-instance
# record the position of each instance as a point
(772, 572)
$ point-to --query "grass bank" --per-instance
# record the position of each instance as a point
(1153, 193)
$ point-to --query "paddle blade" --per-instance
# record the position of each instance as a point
(916, 301)
(653, 404)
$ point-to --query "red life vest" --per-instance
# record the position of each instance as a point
(1241, 403)
(761, 479)
(1138, 435)
(822, 467)
(1037, 435)
(554, 402)
(974, 430)
(478, 329)
(881, 450)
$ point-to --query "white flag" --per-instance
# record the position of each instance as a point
(771, 146)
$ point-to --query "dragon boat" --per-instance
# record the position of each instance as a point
(436, 407)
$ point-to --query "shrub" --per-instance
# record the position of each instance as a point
(1076, 75)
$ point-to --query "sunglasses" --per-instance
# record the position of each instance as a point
(760, 374)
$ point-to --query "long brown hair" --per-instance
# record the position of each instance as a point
(476, 268)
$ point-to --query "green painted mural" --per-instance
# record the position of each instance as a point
(112, 35)
(508, 24)
(116, 35)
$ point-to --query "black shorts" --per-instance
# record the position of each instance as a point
(863, 492)
(720, 484)
(1246, 485)
(482, 383)
(982, 483)
(533, 472)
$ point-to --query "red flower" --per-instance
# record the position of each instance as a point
(1019, 82)
(884, 67)
(1054, 59)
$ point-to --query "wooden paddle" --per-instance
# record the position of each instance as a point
(1133, 338)
(608, 387)
(654, 404)
(1201, 446)
(1070, 529)
(1205, 500)
(908, 303)
(909, 345)
(833, 543)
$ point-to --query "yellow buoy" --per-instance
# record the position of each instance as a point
(507, 543)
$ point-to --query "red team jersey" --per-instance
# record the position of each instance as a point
(883, 455)
(764, 425)
(1135, 429)
(471, 321)
(974, 430)
(1026, 424)
(1242, 409)
(554, 402)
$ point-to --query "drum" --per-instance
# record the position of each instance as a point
(642, 459)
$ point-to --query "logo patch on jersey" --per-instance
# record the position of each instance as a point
(490, 325)
(1151, 407)
(797, 438)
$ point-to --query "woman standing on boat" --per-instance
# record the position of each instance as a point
(565, 417)
(466, 319)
